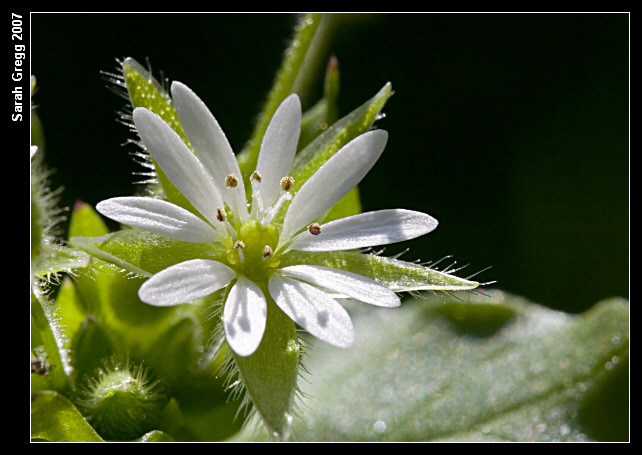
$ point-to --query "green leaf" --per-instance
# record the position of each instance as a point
(155, 436)
(292, 77)
(483, 368)
(46, 319)
(55, 418)
(325, 112)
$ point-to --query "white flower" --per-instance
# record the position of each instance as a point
(210, 179)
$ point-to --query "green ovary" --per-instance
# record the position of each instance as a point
(250, 257)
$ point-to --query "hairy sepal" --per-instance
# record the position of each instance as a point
(395, 274)
(269, 375)
(145, 91)
(143, 253)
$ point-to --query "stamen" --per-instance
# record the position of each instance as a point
(267, 252)
(222, 217)
(257, 201)
(239, 245)
(287, 183)
(314, 229)
(272, 211)
(231, 181)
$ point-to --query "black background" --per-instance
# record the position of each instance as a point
(511, 129)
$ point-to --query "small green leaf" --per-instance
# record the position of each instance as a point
(85, 221)
(54, 418)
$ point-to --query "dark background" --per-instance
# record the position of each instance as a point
(511, 129)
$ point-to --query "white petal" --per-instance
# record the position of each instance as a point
(184, 282)
(244, 316)
(158, 216)
(178, 163)
(333, 180)
(312, 309)
(381, 227)
(278, 148)
(346, 283)
(210, 145)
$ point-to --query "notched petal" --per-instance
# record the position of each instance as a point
(184, 282)
(160, 217)
(244, 317)
(313, 310)
(381, 227)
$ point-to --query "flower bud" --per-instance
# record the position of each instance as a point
(121, 403)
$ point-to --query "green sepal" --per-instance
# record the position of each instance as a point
(357, 122)
(54, 418)
(145, 91)
(270, 374)
(324, 146)
(85, 221)
(144, 253)
(324, 113)
(395, 274)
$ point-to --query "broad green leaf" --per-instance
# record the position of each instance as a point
(483, 368)
(55, 418)
(400, 276)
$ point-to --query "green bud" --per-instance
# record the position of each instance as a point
(121, 403)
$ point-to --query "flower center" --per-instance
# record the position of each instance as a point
(253, 251)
